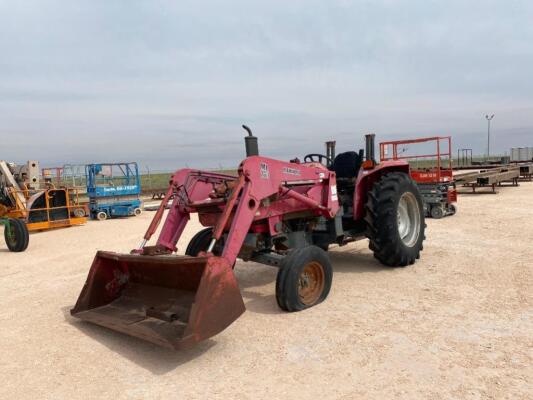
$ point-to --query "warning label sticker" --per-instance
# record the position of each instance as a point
(334, 193)
(264, 171)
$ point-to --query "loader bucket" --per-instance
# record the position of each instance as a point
(172, 301)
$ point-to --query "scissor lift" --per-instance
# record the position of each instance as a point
(113, 190)
(432, 171)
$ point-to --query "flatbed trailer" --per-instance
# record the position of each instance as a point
(491, 178)
(154, 194)
(526, 172)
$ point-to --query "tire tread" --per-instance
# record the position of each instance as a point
(381, 220)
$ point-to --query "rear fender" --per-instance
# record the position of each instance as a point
(367, 178)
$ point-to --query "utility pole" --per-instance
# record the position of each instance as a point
(488, 134)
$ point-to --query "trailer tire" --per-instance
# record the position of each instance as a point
(200, 242)
(395, 208)
(17, 236)
(304, 279)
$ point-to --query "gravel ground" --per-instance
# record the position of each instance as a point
(456, 325)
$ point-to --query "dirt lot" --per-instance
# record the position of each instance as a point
(458, 324)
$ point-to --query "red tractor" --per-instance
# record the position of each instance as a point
(283, 214)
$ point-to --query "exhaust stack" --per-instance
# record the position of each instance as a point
(370, 147)
(251, 143)
(330, 150)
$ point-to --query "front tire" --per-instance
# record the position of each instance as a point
(101, 216)
(304, 279)
(200, 242)
(395, 220)
(16, 235)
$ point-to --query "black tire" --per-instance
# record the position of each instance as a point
(200, 242)
(324, 247)
(452, 209)
(382, 220)
(16, 236)
(291, 295)
(437, 212)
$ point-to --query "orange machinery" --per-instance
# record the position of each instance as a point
(41, 208)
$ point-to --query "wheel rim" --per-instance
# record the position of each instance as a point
(311, 283)
(408, 219)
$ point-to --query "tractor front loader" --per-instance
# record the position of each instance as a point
(282, 214)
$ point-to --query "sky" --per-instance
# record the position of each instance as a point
(169, 83)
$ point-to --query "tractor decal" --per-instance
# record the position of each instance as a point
(291, 171)
(264, 170)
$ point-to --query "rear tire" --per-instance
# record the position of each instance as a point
(324, 247)
(101, 216)
(16, 235)
(137, 212)
(395, 220)
(304, 279)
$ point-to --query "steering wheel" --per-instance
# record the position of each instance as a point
(314, 157)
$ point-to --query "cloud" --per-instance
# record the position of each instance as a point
(169, 83)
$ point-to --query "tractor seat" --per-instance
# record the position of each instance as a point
(346, 165)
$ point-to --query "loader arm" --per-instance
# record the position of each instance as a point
(295, 188)
(187, 187)
(264, 178)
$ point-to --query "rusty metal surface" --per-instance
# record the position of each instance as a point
(172, 301)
